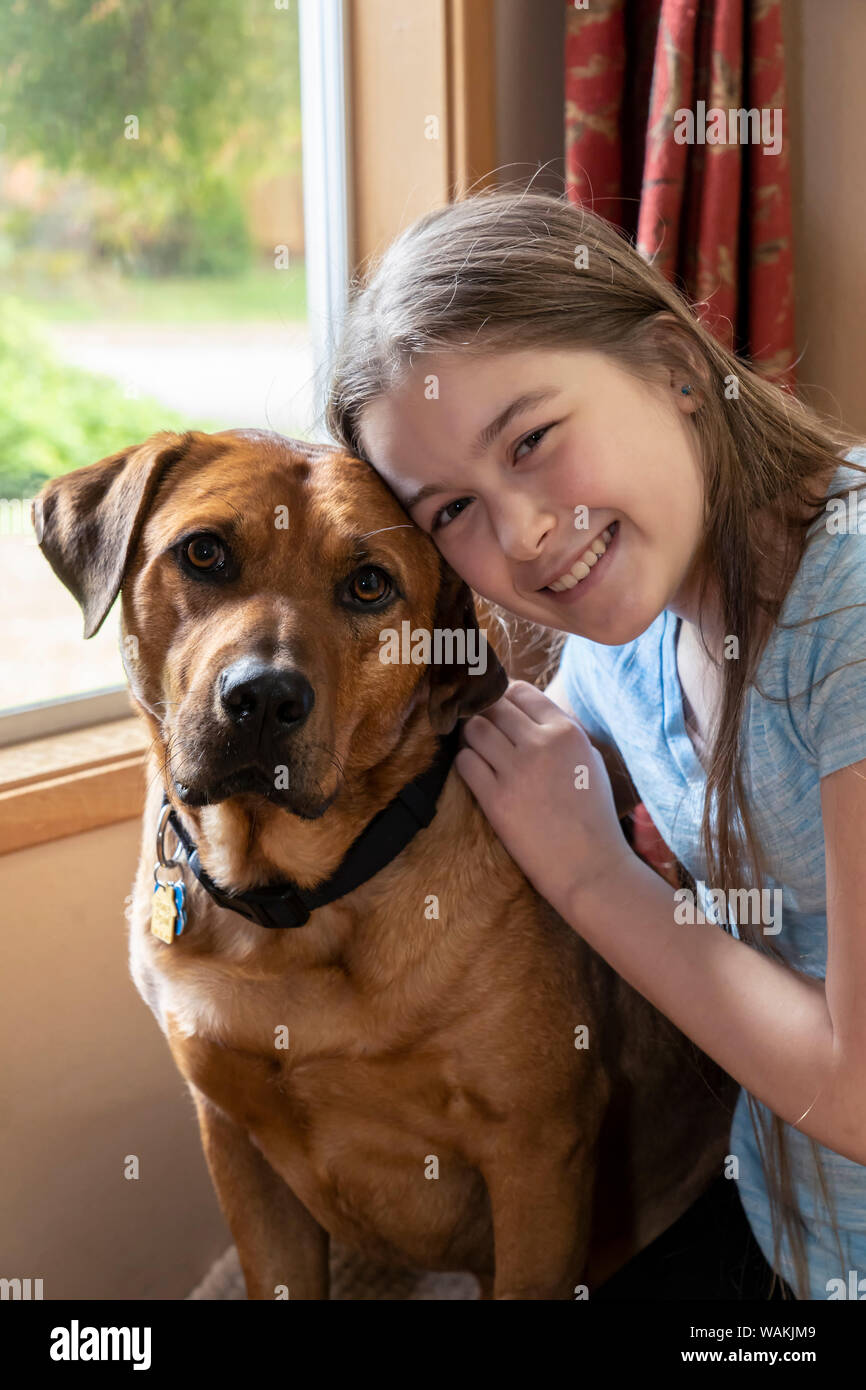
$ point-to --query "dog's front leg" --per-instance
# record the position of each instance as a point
(541, 1203)
(279, 1243)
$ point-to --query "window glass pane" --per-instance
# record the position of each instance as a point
(151, 267)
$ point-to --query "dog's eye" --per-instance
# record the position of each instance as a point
(369, 584)
(205, 553)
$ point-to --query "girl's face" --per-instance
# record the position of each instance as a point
(515, 463)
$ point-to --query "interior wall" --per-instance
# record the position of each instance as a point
(530, 92)
(825, 48)
(87, 1080)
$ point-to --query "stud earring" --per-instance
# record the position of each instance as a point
(686, 390)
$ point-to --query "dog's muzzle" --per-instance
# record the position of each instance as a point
(261, 706)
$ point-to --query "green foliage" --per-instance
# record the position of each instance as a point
(172, 109)
(54, 418)
(209, 83)
(67, 293)
(206, 234)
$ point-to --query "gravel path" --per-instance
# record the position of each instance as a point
(237, 375)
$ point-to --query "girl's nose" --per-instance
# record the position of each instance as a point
(521, 527)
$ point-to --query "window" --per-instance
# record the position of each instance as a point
(173, 255)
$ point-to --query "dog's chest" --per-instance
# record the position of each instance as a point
(361, 1115)
(370, 1138)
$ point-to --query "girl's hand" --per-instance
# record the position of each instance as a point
(520, 759)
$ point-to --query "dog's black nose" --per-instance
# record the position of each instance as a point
(261, 698)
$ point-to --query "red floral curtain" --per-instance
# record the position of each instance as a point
(714, 217)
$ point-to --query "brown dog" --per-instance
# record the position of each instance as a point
(406, 1071)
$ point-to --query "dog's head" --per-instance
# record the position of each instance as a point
(261, 577)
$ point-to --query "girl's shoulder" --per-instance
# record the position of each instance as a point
(833, 564)
(814, 662)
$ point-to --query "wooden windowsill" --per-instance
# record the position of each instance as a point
(66, 783)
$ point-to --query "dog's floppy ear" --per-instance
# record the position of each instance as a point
(456, 690)
(87, 521)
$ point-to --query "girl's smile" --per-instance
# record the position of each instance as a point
(587, 569)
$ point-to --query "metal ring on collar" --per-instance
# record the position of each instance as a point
(164, 814)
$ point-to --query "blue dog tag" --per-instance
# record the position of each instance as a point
(180, 904)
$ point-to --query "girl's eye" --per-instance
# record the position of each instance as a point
(536, 434)
(437, 522)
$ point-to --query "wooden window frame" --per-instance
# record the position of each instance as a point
(423, 102)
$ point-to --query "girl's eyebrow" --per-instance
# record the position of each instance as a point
(521, 403)
(486, 437)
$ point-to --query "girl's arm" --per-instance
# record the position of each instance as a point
(794, 1042)
(768, 1026)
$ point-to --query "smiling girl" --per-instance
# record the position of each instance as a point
(587, 456)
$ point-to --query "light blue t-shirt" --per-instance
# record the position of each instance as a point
(631, 695)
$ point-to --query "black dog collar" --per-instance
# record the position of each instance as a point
(285, 904)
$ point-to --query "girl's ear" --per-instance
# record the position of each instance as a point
(460, 687)
(680, 355)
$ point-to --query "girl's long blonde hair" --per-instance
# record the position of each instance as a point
(511, 269)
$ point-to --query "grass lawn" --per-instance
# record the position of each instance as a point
(260, 295)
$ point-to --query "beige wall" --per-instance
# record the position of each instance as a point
(826, 48)
(530, 92)
(87, 1078)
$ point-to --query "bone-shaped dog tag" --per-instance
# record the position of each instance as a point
(163, 916)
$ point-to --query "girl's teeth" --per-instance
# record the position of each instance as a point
(582, 567)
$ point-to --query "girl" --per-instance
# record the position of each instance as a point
(587, 456)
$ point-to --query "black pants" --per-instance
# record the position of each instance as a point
(709, 1253)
